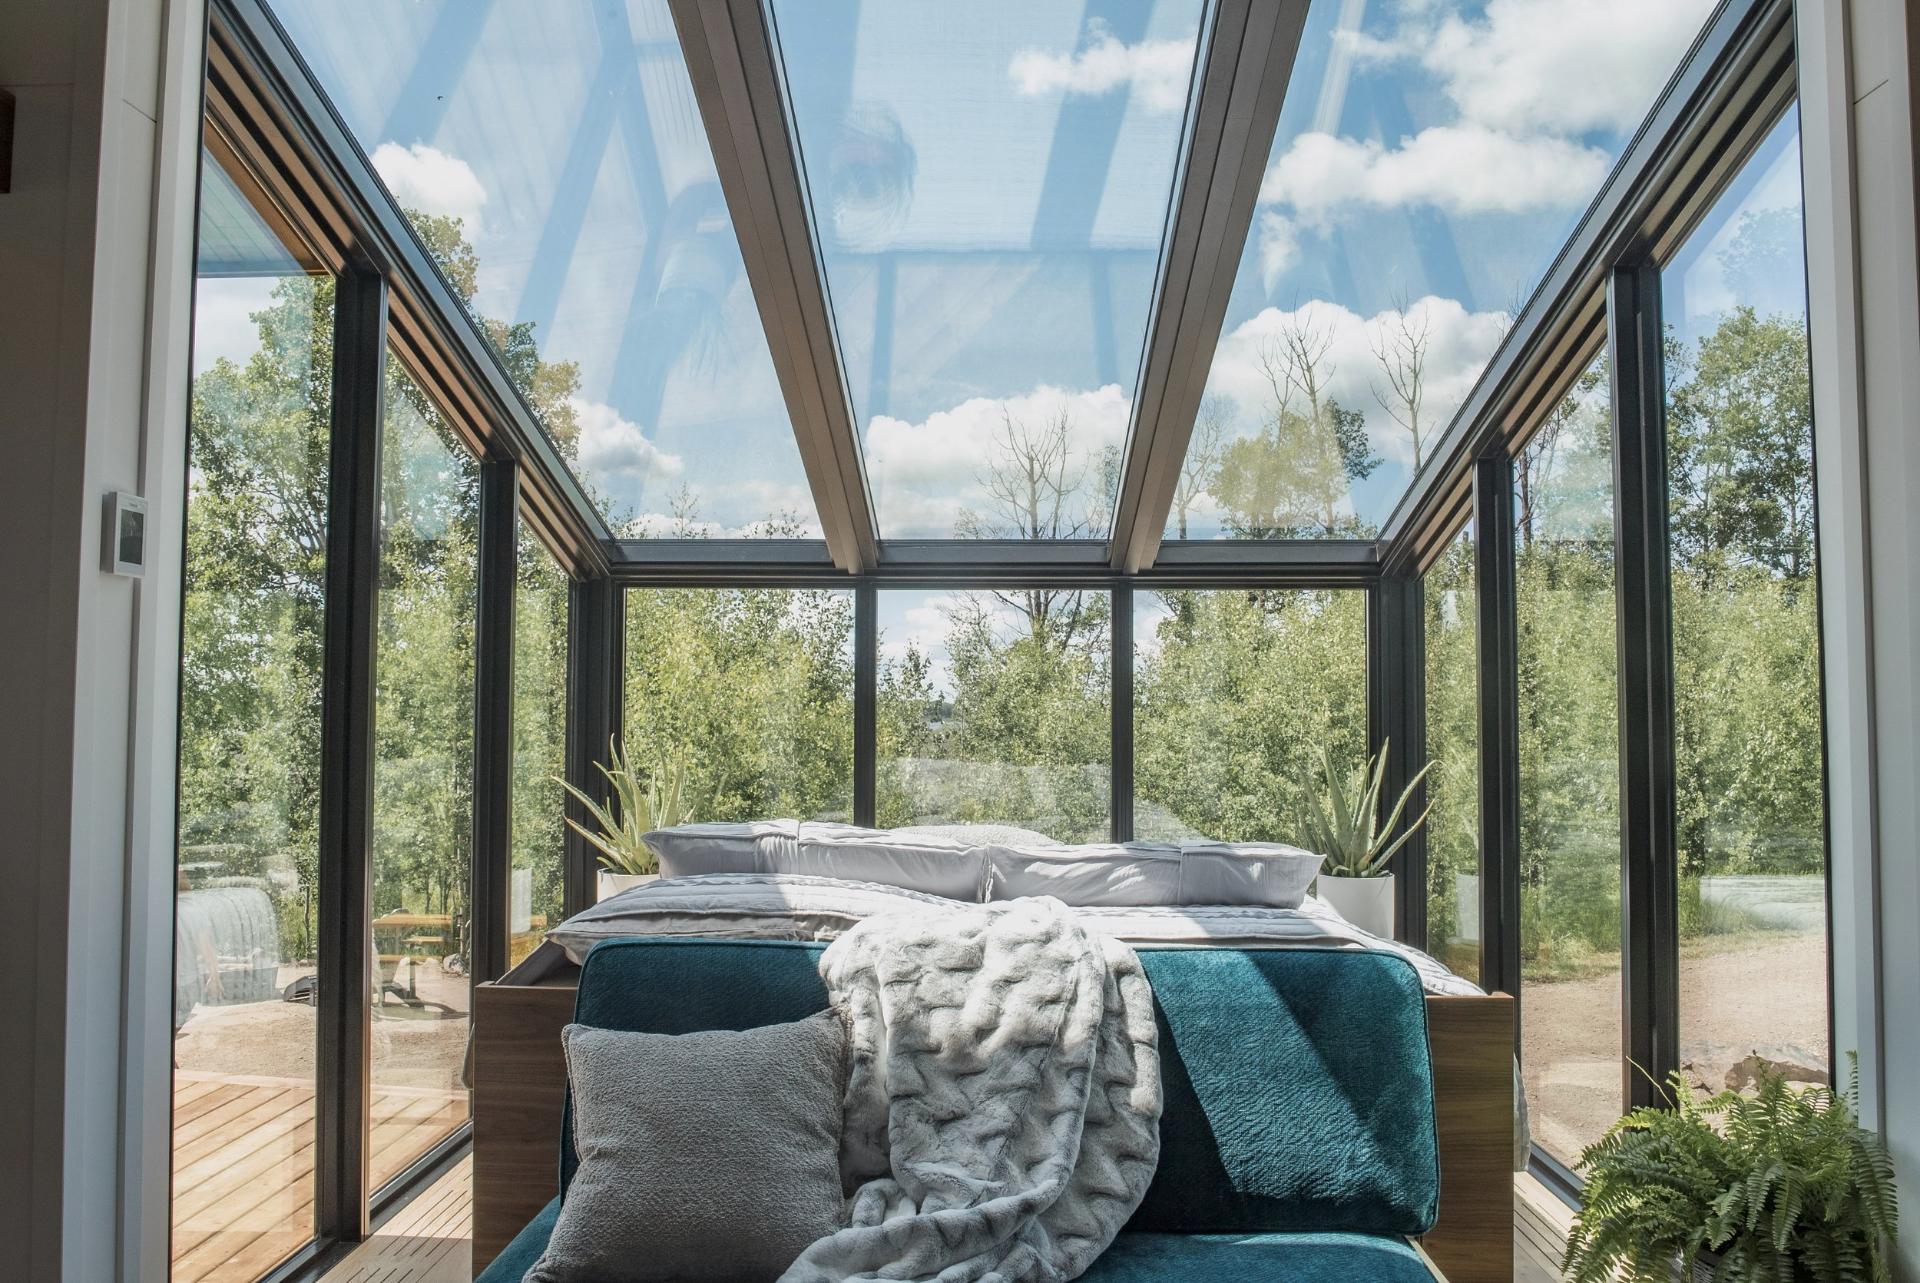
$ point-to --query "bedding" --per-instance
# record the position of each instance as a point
(689, 850)
(1003, 1097)
(1104, 873)
(759, 906)
(775, 906)
(926, 862)
(1270, 873)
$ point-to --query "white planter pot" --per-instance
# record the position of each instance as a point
(1365, 902)
(612, 884)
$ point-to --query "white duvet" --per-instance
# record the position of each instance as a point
(787, 906)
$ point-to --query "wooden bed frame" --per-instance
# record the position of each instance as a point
(519, 1085)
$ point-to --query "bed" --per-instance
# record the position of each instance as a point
(519, 1078)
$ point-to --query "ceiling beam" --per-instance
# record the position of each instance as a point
(734, 63)
(1243, 82)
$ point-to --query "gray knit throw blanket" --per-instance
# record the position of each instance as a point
(1003, 1099)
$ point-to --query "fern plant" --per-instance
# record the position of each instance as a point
(1783, 1185)
(657, 799)
(1343, 825)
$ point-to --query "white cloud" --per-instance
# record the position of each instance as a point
(1279, 242)
(1530, 81)
(1561, 66)
(615, 447)
(1158, 70)
(1459, 344)
(925, 473)
(431, 181)
(1463, 169)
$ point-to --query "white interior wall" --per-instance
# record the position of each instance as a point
(1858, 61)
(92, 399)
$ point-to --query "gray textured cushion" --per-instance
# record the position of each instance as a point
(702, 1156)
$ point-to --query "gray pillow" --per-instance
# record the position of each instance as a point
(1270, 873)
(709, 1155)
(1087, 875)
(756, 846)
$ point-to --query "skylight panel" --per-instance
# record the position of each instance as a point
(1430, 160)
(990, 185)
(592, 239)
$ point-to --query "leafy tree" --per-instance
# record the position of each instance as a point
(1291, 479)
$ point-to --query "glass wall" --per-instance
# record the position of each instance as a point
(996, 707)
(537, 883)
(249, 770)
(1570, 927)
(1236, 692)
(1746, 634)
(1453, 747)
(423, 779)
(749, 693)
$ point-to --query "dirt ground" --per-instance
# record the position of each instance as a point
(1738, 995)
(416, 1043)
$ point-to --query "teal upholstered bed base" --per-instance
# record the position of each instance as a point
(1298, 1138)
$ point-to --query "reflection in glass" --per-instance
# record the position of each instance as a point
(1430, 160)
(750, 692)
(1746, 634)
(1235, 695)
(990, 185)
(554, 159)
(995, 708)
(422, 779)
(537, 883)
(1453, 747)
(245, 938)
(1570, 926)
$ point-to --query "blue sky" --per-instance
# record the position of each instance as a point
(990, 182)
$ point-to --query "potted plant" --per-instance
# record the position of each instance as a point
(642, 803)
(1782, 1184)
(1343, 826)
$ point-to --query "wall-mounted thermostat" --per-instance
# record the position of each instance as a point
(125, 531)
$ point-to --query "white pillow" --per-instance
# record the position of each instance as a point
(1270, 873)
(930, 864)
(1090, 874)
(981, 834)
(756, 846)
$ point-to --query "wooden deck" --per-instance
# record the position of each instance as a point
(243, 1179)
(430, 1240)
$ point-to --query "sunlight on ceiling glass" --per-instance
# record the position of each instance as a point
(592, 237)
(1431, 158)
(990, 185)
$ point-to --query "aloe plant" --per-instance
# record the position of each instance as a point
(657, 799)
(1343, 823)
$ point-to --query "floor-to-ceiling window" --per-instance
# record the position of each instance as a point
(1453, 748)
(996, 706)
(746, 695)
(1570, 927)
(1236, 693)
(1746, 634)
(423, 779)
(245, 938)
(537, 883)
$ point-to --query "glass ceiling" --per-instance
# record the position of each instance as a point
(990, 185)
(564, 136)
(1431, 159)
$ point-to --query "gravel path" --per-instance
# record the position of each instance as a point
(1764, 993)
